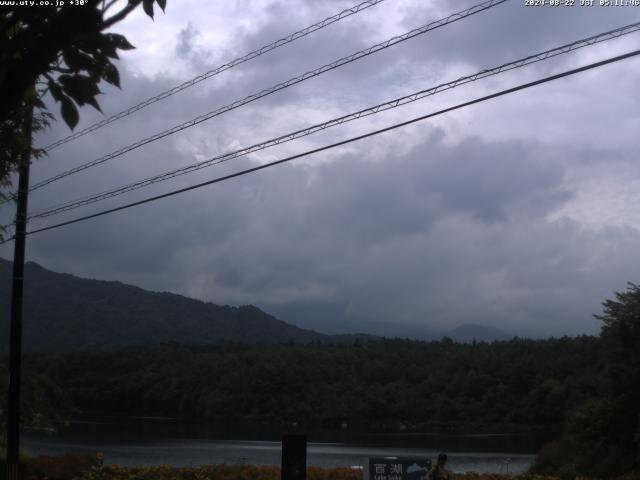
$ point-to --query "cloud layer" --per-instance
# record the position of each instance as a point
(520, 213)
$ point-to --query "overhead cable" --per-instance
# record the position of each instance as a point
(391, 104)
(343, 142)
(347, 12)
(280, 86)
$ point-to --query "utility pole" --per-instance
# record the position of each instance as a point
(15, 345)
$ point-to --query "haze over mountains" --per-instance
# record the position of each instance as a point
(65, 312)
(333, 319)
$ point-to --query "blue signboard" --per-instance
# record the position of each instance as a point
(398, 468)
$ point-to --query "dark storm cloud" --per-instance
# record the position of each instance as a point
(189, 50)
(404, 238)
(185, 41)
(510, 30)
(468, 218)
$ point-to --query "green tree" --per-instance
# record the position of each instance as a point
(65, 51)
(44, 404)
(14, 140)
(621, 336)
(602, 435)
(67, 48)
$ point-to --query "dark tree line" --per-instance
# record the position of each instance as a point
(383, 385)
(602, 435)
(44, 404)
(589, 386)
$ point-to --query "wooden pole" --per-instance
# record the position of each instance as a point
(15, 345)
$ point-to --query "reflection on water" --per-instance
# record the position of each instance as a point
(157, 440)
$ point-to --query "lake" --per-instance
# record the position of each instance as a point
(155, 441)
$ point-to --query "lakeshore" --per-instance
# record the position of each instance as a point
(130, 441)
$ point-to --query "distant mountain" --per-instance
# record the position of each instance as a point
(65, 312)
(331, 318)
(480, 333)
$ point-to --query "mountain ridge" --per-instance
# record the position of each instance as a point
(332, 318)
(66, 312)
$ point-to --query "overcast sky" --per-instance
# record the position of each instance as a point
(521, 212)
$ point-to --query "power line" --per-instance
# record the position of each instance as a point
(190, 83)
(391, 104)
(343, 142)
(292, 81)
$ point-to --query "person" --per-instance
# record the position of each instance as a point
(438, 472)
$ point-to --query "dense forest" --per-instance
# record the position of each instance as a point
(394, 384)
(588, 387)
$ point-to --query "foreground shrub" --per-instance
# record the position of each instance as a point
(84, 467)
(61, 467)
(554, 457)
(250, 472)
(166, 472)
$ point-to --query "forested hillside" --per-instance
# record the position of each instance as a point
(65, 312)
(383, 385)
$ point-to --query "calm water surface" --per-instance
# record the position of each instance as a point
(155, 441)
